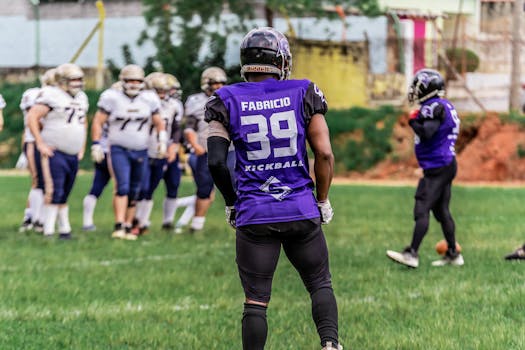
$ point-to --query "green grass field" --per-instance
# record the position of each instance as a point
(182, 292)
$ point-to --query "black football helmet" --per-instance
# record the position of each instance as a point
(266, 50)
(427, 83)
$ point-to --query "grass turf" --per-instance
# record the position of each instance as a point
(168, 291)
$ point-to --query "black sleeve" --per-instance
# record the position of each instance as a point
(217, 154)
(425, 128)
(176, 131)
(216, 110)
(314, 102)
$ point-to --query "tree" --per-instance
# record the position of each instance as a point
(180, 28)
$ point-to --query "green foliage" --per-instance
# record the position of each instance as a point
(168, 291)
(456, 56)
(13, 121)
(361, 137)
(180, 28)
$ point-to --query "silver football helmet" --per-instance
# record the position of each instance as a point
(175, 87)
(48, 78)
(210, 76)
(158, 81)
(70, 78)
(132, 77)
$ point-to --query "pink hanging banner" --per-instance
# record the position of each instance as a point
(419, 44)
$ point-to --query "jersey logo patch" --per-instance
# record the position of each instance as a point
(277, 192)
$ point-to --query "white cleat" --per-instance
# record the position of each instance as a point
(407, 257)
(329, 346)
(121, 233)
(448, 260)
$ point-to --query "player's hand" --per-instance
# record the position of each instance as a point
(413, 113)
(231, 214)
(80, 155)
(327, 213)
(45, 150)
(199, 150)
(162, 150)
(97, 153)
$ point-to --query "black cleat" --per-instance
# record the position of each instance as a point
(518, 254)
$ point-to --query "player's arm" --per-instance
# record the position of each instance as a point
(160, 126)
(427, 122)
(97, 153)
(319, 140)
(190, 134)
(37, 112)
(218, 143)
(175, 135)
(1, 119)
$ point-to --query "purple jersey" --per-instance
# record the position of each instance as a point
(267, 124)
(439, 150)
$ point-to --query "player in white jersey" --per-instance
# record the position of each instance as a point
(161, 167)
(61, 110)
(35, 201)
(173, 174)
(196, 133)
(129, 114)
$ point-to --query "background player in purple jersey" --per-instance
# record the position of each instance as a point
(436, 128)
(270, 120)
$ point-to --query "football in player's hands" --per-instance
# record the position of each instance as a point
(442, 247)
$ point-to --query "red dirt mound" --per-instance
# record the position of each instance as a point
(488, 151)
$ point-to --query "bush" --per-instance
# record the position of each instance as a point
(456, 56)
(361, 136)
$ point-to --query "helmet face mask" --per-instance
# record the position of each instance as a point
(70, 78)
(132, 77)
(212, 76)
(426, 84)
(267, 51)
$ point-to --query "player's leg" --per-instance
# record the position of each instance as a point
(138, 166)
(305, 247)
(64, 227)
(145, 185)
(38, 211)
(157, 168)
(257, 255)
(172, 177)
(54, 169)
(205, 184)
(444, 217)
(120, 168)
(29, 215)
(100, 180)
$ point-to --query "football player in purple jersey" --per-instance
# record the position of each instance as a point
(436, 128)
(270, 120)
